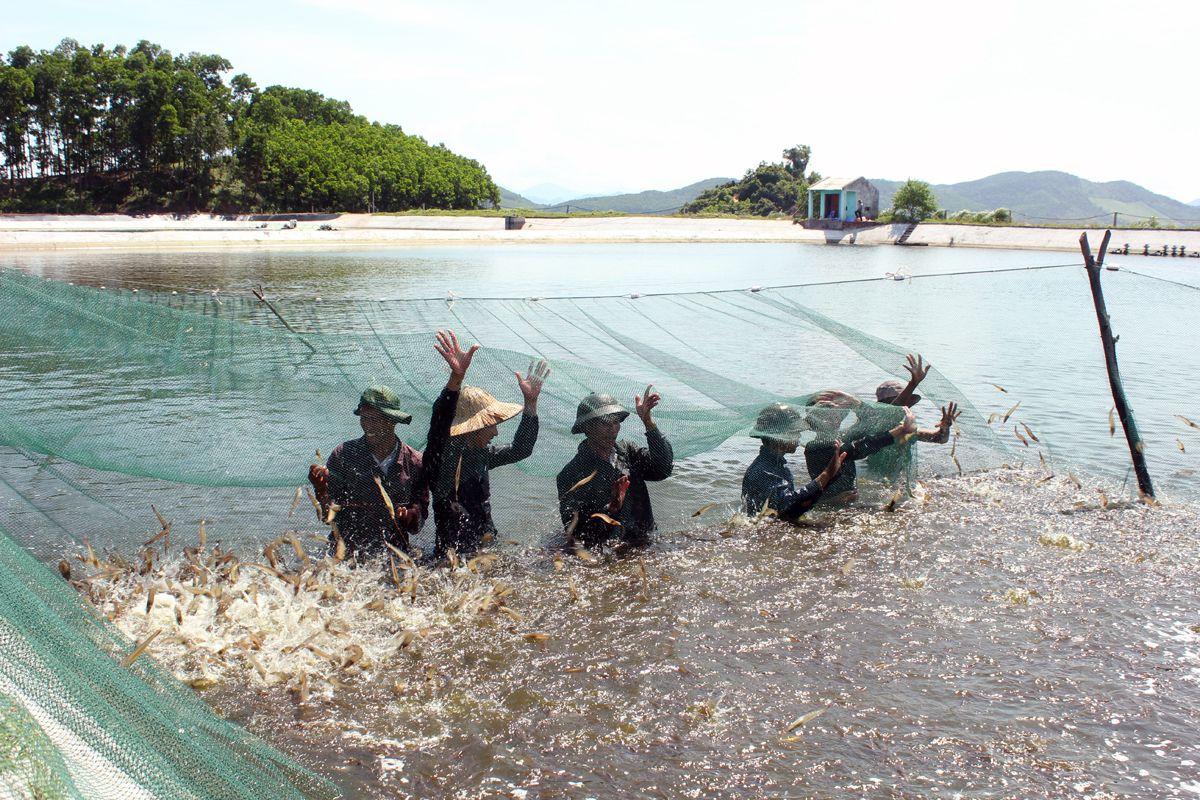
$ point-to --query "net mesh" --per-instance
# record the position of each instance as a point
(215, 392)
(210, 405)
(117, 731)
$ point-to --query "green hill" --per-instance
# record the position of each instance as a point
(1050, 196)
(648, 202)
(513, 200)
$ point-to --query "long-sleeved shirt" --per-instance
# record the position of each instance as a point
(818, 452)
(769, 480)
(464, 516)
(641, 464)
(363, 520)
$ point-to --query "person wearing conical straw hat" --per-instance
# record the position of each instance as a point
(462, 495)
(602, 491)
(361, 470)
(768, 482)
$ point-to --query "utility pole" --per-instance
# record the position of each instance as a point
(1136, 445)
(1114, 219)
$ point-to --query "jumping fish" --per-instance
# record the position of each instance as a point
(127, 662)
(809, 717)
(582, 482)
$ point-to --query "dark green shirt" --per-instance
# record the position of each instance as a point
(641, 464)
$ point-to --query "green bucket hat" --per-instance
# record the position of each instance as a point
(781, 423)
(386, 402)
(595, 406)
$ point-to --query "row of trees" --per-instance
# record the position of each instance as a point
(94, 129)
(769, 188)
(781, 188)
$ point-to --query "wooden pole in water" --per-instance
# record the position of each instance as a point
(1136, 446)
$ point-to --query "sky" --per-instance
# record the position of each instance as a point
(611, 95)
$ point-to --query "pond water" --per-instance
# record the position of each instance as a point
(999, 636)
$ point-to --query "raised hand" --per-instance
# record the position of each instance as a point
(645, 404)
(458, 359)
(834, 398)
(833, 467)
(906, 428)
(950, 414)
(531, 384)
(917, 369)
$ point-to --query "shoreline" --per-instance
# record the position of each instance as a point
(163, 232)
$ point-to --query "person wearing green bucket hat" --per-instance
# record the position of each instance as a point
(602, 491)
(378, 485)
(768, 482)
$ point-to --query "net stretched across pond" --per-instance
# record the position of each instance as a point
(112, 400)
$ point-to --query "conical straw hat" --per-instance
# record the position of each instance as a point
(477, 409)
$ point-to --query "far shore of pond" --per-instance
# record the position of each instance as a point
(119, 232)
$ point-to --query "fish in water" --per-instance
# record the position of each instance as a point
(809, 717)
(582, 482)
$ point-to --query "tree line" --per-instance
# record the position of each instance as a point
(86, 129)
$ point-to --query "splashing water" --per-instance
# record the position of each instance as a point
(996, 635)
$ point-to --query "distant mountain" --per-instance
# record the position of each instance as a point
(1051, 196)
(513, 200)
(648, 202)
(1195, 202)
(548, 193)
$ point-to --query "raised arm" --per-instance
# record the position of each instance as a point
(656, 461)
(527, 432)
(941, 433)
(917, 370)
(459, 361)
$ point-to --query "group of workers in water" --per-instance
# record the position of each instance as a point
(377, 490)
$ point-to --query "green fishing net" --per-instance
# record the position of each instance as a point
(209, 405)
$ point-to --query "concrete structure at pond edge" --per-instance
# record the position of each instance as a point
(842, 200)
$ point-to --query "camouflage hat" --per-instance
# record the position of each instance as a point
(386, 402)
(595, 406)
(780, 422)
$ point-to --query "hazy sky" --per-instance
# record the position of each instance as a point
(600, 96)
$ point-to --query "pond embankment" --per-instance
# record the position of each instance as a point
(120, 232)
